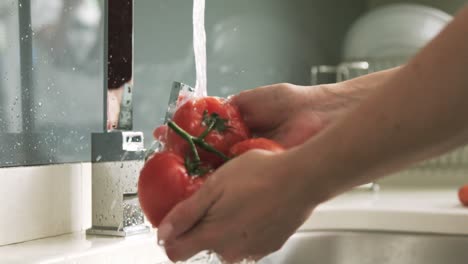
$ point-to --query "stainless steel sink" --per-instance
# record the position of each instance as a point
(343, 247)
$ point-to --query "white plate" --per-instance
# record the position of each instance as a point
(398, 30)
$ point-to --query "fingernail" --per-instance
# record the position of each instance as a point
(164, 231)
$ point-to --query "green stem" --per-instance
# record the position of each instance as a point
(202, 144)
(207, 130)
(196, 141)
(188, 138)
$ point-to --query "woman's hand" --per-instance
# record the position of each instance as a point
(291, 114)
(247, 208)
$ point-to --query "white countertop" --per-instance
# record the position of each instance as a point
(428, 211)
(79, 248)
(433, 211)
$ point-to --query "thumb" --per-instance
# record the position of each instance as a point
(186, 214)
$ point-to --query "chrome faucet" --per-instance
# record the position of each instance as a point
(117, 152)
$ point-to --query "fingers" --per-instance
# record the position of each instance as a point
(206, 237)
(187, 214)
(265, 107)
(189, 244)
(247, 101)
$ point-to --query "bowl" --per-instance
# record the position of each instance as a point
(397, 30)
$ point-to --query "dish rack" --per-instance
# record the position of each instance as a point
(455, 161)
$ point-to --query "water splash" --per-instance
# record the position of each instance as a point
(199, 46)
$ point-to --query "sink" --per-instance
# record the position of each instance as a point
(355, 247)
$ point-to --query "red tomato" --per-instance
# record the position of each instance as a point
(255, 143)
(193, 116)
(163, 183)
(160, 133)
(463, 195)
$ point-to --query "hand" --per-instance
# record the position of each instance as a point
(247, 208)
(291, 114)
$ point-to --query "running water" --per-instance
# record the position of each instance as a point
(199, 47)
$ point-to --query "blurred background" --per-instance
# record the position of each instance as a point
(52, 100)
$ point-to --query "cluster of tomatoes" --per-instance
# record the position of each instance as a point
(203, 134)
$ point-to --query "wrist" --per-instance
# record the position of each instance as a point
(331, 101)
(309, 174)
(322, 169)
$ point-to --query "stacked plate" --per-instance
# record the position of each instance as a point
(398, 30)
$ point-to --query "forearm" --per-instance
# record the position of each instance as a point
(335, 100)
(420, 111)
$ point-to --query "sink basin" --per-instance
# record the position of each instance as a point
(343, 247)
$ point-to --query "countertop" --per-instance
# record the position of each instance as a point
(405, 210)
(79, 248)
(428, 211)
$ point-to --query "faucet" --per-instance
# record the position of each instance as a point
(117, 153)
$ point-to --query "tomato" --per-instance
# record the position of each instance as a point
(164, 182)
(160, 133)
(195, 115)
(255, 143)
(463, 195)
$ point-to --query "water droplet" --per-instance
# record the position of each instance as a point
(20, 5)
(98, 158)
(82, 137)
(73, 69)
(39, 104)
